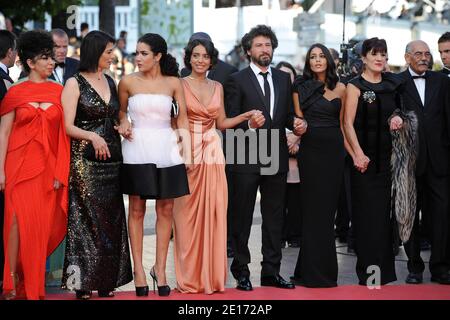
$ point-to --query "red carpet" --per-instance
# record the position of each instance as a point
(346, 292)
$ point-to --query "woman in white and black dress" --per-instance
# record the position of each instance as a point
(152, 165)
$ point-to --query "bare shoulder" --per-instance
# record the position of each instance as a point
(340, 89)
(129, 78)
(352, 89)
(174, 82)
(71, 84)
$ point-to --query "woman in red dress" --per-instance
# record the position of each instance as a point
(34, 167)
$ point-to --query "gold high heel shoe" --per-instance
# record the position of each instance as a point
(12, 295)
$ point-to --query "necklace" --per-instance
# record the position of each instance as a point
(198, 79)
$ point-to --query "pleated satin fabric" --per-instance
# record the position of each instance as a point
(201, 217)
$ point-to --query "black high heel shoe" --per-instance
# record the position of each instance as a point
(106, 293)
(83, 294)
(141, 291)
(163, 291)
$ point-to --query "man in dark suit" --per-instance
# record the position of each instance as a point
(257, 151)
(427, 94)
(8, 53)
(220, 72)
(65, 67)
(444, 51)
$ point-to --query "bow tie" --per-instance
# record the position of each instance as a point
(419, 77)
(60, 64)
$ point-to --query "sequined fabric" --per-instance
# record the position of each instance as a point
(97, 253)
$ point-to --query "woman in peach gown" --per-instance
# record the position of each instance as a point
(201, 217)
(34, 169)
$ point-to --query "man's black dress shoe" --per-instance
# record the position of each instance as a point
(244, 284)
(414, 278)
(276, 281)
(442, 279)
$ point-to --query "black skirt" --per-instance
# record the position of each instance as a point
(150, 182)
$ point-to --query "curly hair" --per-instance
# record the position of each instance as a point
(209, 47)
(34, 45)
(157, 44)
(259, 30)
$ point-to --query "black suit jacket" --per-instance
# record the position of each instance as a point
(445, 71)
(434, 120)
(220, 72)
(70, 69)
(243, 93)
(3, 76)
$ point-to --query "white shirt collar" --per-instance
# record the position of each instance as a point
(4, 67)
(415, 74)
(256, 70)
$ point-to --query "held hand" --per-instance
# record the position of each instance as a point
(2, 180)
(293, 149)
(361, 162)
(292, 139)
(56, 184)
(396, 123)
(247, 115)
(300, 126)
(257, 120)
(100, 146)
(125, 129)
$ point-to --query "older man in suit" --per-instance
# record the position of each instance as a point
(65, 67)
(8, 53)
(427, 94)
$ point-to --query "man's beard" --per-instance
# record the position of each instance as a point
(262, 61)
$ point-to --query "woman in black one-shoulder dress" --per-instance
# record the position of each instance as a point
(371, 100)
(318, 97)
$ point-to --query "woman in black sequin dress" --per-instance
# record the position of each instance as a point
(97, 253)
(317, 97)
(371, 100)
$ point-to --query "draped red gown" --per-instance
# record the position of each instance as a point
(37, 154)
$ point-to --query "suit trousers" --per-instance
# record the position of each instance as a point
(272, 189)
(432, 200)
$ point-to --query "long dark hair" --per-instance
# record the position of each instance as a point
(331, 77)
(157, 44)
(92, 47)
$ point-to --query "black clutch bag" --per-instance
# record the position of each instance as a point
(175, 109)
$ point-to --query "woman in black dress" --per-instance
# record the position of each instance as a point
(371, 100)
(317, 97)
(97, 254)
